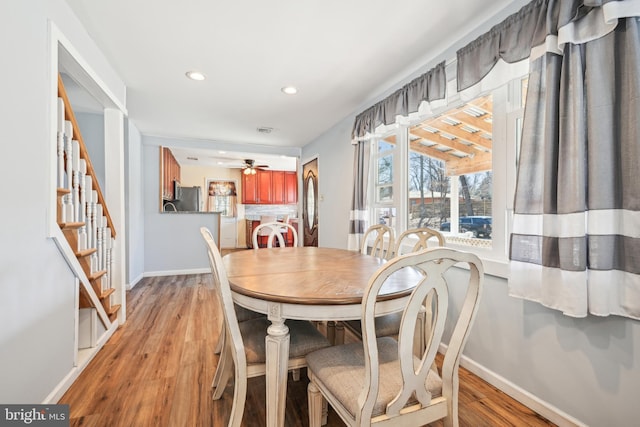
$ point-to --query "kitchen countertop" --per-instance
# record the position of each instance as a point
(192, 212)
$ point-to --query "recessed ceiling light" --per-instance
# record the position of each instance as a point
(289, 90)
(195, 75)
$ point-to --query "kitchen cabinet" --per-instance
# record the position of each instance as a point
(251, 225)
(277, 185)
(264, 187)
(270, 188)
(170, 173)
(249, 189)
(290, 188)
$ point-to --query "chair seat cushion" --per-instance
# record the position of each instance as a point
(304, 338)
(386, 326)
(341, 370)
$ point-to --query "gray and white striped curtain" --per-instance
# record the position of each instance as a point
(358, 217)
(575, 245)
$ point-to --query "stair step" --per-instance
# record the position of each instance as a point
(96, 275)
(86, 252)
(71, 225)
(113, 311)
(62, 191)
(106, 293)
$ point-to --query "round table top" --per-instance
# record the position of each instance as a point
(310, 275)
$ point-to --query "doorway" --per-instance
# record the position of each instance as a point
(310, 202)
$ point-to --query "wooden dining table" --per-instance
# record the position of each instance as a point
(306, 283)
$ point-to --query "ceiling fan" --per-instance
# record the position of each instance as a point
(250, 167)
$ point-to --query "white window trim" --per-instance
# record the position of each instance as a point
(507, 103)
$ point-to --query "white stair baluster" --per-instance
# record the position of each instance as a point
(92, 228)
(103, 261)
(82, 232)
(75, 167)
(60, 147)
(100, 236)
(89, 193)
(108, 244)
(67, 211)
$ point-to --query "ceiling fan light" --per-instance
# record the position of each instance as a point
(247, 171)
(253, 171)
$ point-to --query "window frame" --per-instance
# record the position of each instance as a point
(508, 111)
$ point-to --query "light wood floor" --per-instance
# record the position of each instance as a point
(156, 371)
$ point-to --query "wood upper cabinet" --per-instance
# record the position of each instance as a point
(290, 188)
(249, 189)
(265, 192)
(278, 190)
(270, 188)
(170, 173)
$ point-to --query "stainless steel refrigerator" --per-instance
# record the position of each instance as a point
(188, 199)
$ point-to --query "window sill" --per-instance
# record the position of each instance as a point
(493, 266)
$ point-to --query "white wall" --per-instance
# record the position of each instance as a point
(172, 241)
(135, 204)
(588, 368)
(92, 130)
(36, 287)
(335, 181)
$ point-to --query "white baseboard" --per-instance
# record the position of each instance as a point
(84, 357)
(529, 400)
(134, 282)
(177, 272)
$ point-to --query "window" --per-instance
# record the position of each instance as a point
(384, 172)
(449, 152)
(454, 170)
(221, 197)
(384, 210)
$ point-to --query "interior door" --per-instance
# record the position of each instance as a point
(310, 202)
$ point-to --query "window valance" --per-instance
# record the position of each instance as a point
(540, 26)
(510, 40)
(430, 86)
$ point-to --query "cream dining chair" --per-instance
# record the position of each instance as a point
(245, 341)
(382, 246)
(415, 239)
(383, 241)
(381, 380)
(264, 219)
(242, 314)
(274, 230)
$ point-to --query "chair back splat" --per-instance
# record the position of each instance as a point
(383, 242)
(385, 381)
(274, 230)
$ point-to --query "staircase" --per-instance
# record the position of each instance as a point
(83, 216)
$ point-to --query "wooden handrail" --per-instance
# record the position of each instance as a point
(84, 154)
